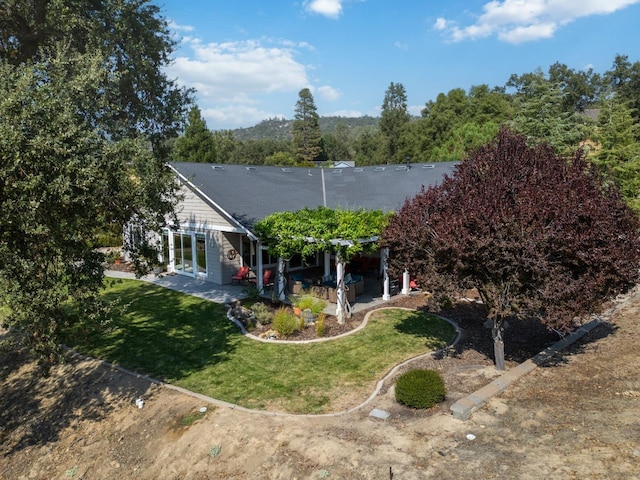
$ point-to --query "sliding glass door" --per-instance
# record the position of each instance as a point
(190, 255)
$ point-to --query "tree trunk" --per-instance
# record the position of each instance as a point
(498, 343)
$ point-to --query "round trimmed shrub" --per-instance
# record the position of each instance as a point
(420, 388)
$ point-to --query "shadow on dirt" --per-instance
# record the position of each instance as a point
(603, 330)
(35, 410)
(522, 339)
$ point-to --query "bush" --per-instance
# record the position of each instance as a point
(318, 306)
(302, 301)
(112, 256)
(284, 322)
(262, 313)
(420, 388)
(107, 240)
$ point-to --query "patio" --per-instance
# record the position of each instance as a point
(371, 296)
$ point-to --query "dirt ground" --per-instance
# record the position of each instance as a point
(576, 418)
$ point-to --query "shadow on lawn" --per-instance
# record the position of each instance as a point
(422, 325)
(166, 334)
(36, 409)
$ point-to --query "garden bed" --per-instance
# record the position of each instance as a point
(331, 326)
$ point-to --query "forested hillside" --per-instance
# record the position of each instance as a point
(280, 128)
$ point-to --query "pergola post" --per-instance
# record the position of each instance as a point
(385, 290)
(327, 264)
(259, 269)
(281, 293)
(406, 283)
(340, 293)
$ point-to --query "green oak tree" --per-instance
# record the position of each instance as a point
(337, 144)
(282, 159)
(225, 145)
(85, 114)
(624, 81)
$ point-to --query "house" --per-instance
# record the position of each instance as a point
(222, 203)
(344, 164)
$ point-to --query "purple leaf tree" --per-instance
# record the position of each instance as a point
(538, 235)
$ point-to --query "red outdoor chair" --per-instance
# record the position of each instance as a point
(267, 279)
(240, 276)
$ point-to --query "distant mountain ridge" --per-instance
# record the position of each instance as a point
(280, 128)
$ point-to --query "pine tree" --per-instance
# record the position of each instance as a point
(197, 144)
(307, 138)
(393, 118)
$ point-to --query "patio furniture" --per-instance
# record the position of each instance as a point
(267, 279)
(240, 276)
(350, 293)
(354, 282)
(298, 284)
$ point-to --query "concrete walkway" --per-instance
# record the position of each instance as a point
(191, 286)
(225, 294)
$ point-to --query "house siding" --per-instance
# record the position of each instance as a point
(224, 267)
(194, 213)
(221, 235)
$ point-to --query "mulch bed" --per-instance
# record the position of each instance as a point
(523, 338)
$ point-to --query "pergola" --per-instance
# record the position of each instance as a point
(341, 232)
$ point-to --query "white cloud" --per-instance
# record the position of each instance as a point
(232, 79)
(517, 21)
(441, 24)
(180, 28)
(415, 110)
(328, 8)
(328, 93)
(235, 116)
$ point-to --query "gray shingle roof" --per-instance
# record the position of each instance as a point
(250, 193)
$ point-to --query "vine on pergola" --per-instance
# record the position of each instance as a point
(308, 231)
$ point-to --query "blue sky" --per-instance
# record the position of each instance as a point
(248, 59)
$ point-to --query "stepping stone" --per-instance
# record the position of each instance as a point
(381, 414)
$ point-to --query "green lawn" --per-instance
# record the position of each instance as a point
(189, 342)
